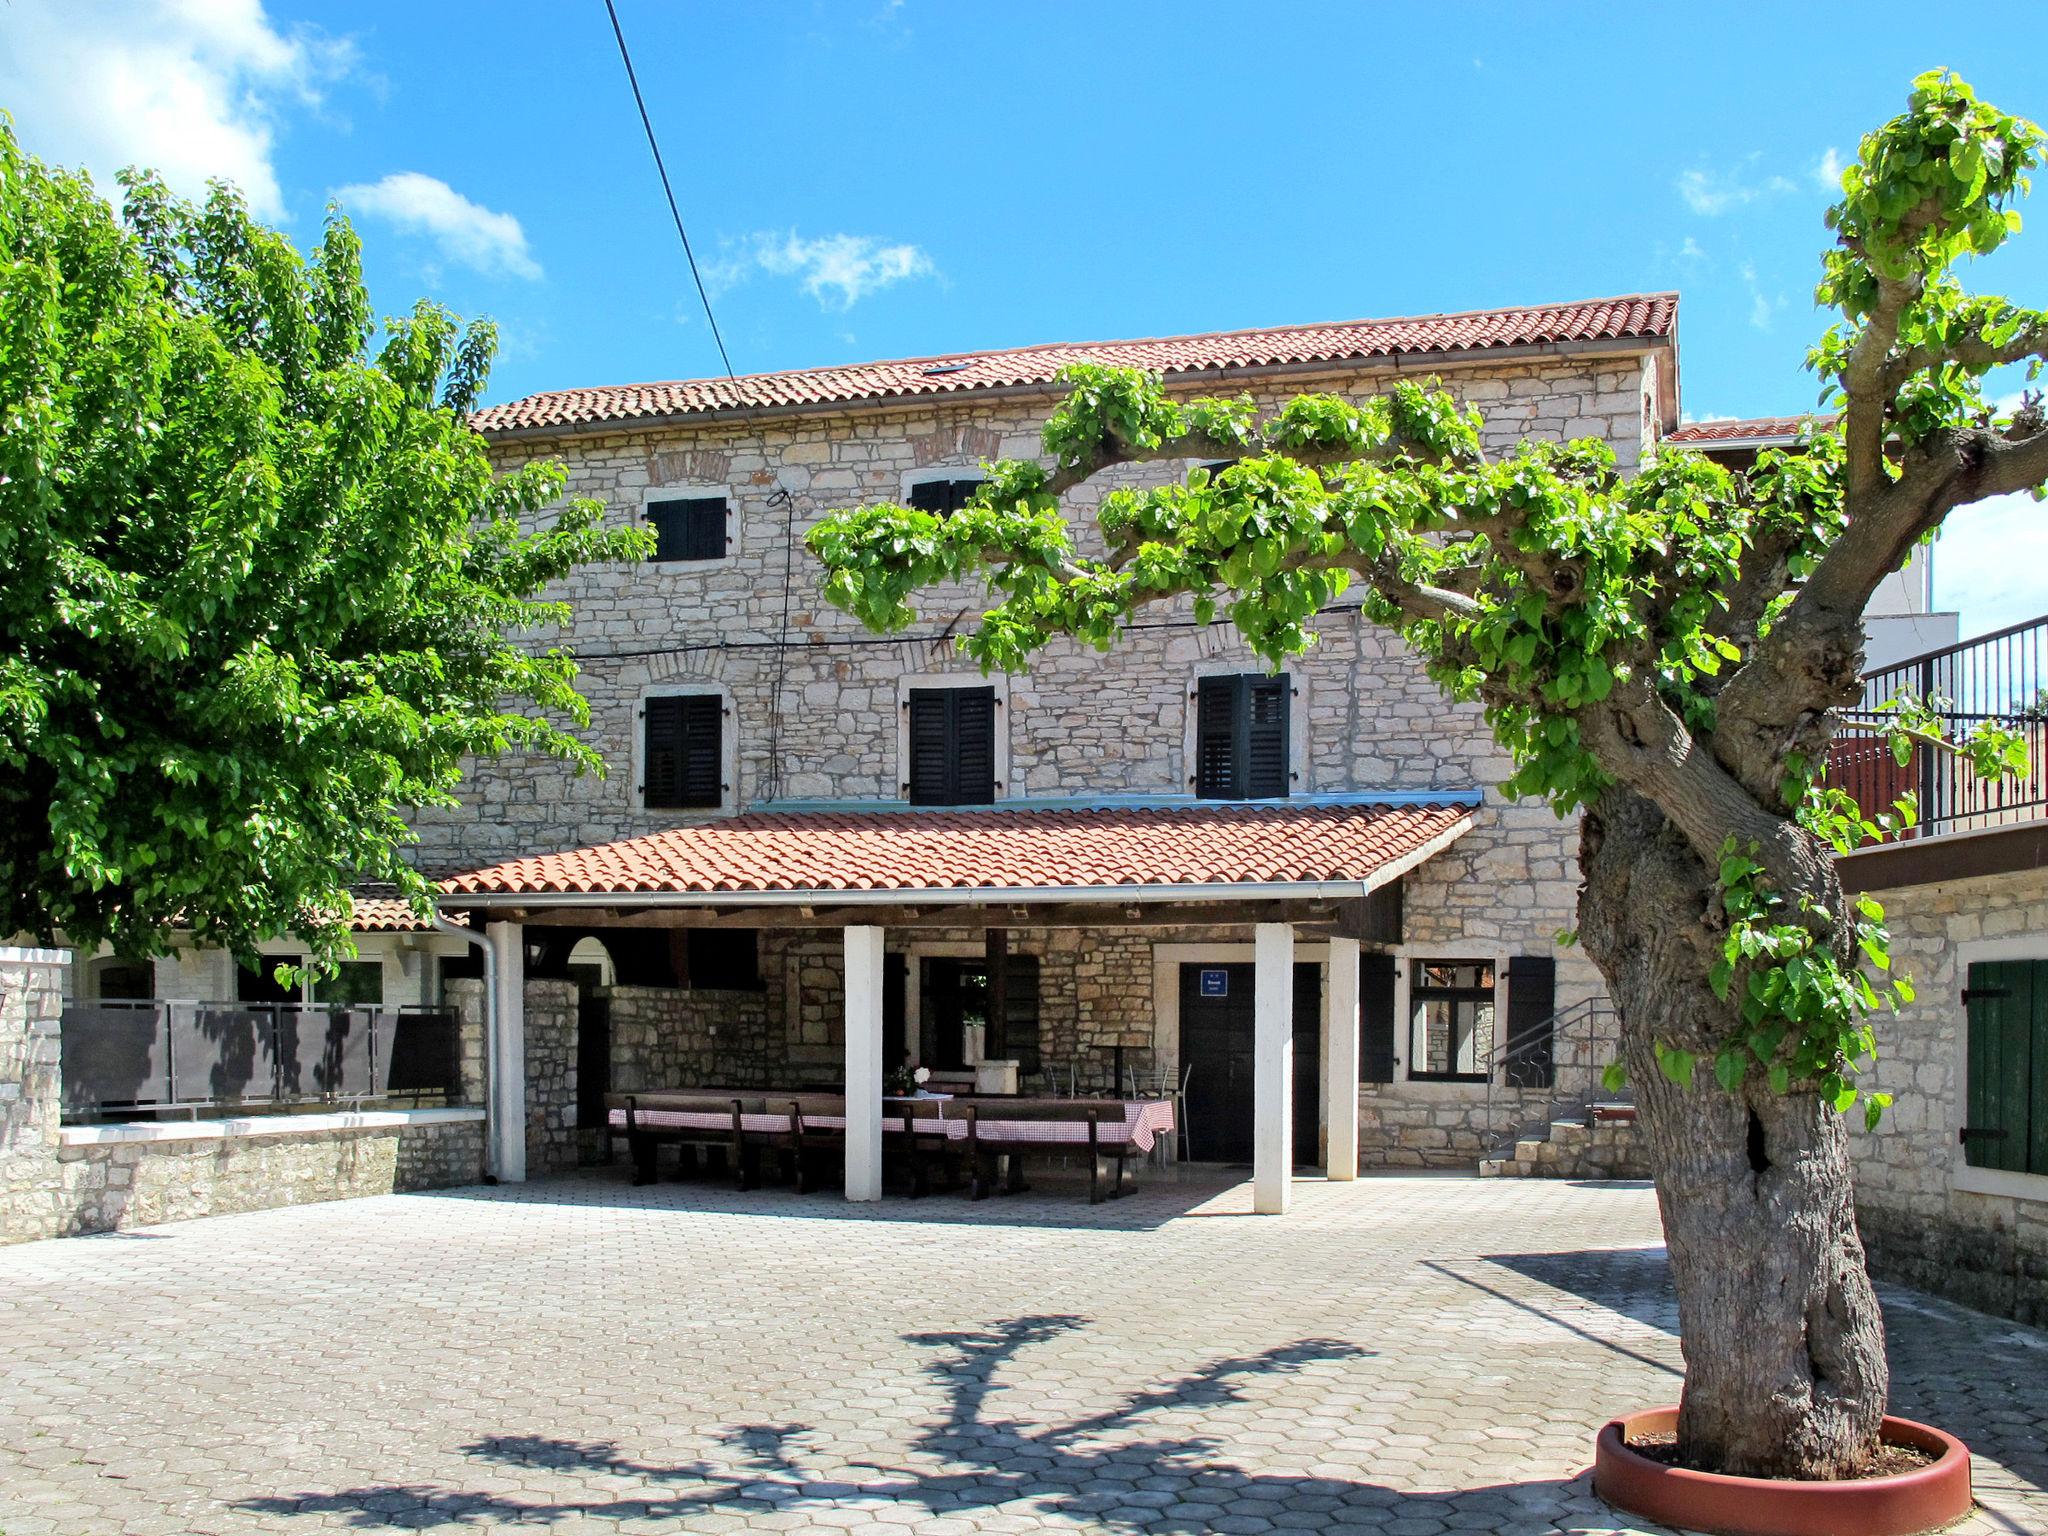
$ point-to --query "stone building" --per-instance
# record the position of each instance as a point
(742, 716)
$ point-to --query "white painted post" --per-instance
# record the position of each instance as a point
(1272, 1068)
(507, 1097)
(1340, 1061)
(863, 1063)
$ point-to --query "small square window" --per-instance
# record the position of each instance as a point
(1450, 1021)
(688, 528)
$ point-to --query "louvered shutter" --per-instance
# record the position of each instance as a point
(2006, 1094)
(703, 719)
(1376, 1017)
(930, 760)
(1020, 1013)
(1265, 738)
(688, 527)
(1215, 734)
(944, 497)
(1532, 1007)
(952, 746)
(684, 757)
(664, 753)
(974, 745)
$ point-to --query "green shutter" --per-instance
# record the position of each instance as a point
(2005, 1122)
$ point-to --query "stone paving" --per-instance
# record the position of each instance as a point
(1401, 1355)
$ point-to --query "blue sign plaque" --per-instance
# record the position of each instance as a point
(1215, 983)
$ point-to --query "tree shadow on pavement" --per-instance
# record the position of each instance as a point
(1116, 1470)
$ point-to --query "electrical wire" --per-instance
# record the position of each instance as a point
(746, 413)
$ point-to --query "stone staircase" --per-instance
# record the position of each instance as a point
(1595, 1141)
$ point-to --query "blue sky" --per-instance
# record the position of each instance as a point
(880, 178)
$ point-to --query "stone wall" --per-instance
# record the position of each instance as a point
(109, 1184)
(673, 1038)
(31, 1015)
(1371, 719)
(1988, 1251)
(552, 1145)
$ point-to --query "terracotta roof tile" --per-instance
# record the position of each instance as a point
(848, 851)
(1748, 429)
(1646, 316)
(386, 914)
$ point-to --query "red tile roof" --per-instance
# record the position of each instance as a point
(386, 914)
(1124, 848)
(1638, 316)
(1748, 429)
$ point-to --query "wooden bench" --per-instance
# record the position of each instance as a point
(721, 1132)
(1021, 1117)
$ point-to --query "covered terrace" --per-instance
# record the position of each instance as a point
(1303, 878)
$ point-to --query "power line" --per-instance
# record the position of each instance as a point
(739, 398)
(661, 166)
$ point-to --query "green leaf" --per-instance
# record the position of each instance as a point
(1729, 1069)
(1614, 1077)
(1675, 1063)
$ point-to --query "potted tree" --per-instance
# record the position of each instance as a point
(1663, 654)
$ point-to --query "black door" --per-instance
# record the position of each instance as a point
(258, 983)
(1216, 1053)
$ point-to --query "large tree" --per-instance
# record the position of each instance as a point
(260, 579)
(1664, 654)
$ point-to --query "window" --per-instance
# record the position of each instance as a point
(685, 752)
(952, 758)
(355, 984)
(688, 527)
(2005, 1124)
(123, 978)
(1450, 1019)
(724, 959)
(957, 993)
(946, 495)
(1241, 746)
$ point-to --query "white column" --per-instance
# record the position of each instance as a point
(507, 1106)
(863, 1063)
(1272, 1068)
(1340, 1060)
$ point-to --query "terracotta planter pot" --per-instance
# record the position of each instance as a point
(1901, 1505)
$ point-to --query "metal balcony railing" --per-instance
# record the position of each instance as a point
(129, 1056)
(2000, 677)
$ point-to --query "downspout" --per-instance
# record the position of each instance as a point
(471, 936)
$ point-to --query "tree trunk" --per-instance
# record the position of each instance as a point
(1782, 1337)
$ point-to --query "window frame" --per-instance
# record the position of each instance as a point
(917, 682)
(1416, 992)
(1298, 774)
(700, 490)
(1963, 1176)
(728, 748)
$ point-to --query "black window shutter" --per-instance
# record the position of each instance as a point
(930, 761)
(1215, 734)
(952, 746)
(974, 745)
(1265, 737)
(688, 527)
(1020, 1013)
(944, 497)
(1532, 1007)
(684, 756)
(1376, 1017)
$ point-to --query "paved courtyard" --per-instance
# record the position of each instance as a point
(1407, 1356)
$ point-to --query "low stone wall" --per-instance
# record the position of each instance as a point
(116, 1176)
(1985, 1250)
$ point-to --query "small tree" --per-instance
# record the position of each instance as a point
(258, 582)
(1662, 653)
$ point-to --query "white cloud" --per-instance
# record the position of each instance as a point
(193, 88)
(478, 237)
(1762, 306)
(1988, 562)
(1828, 174)
(1711, 191)
(836, 270)
(1691, 250)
